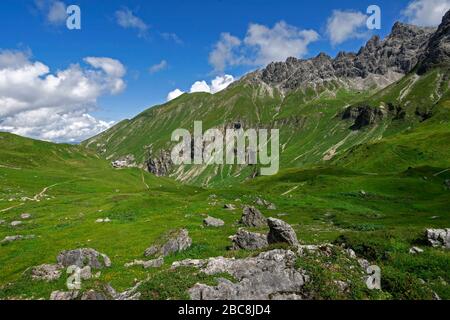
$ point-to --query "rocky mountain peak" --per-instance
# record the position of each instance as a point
(397, 54)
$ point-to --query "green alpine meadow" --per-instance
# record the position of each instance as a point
(358, 210)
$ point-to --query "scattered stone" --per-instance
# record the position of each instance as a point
(64, 295)
(229, 207)
(213, 222)
(16, 223)
(363, 263)
(46, 272)
(248, 240)
(351, 253)
(252, 217)
(270, 275)
(155, 263)
(2, 222)
(9, 239)
(438, 237)
(281, 232)
(415, 250)
(125, 162)
(84, 257)
(265, 203)
(177, 241)
(342, 285)
(106, 220)
(192, 263)
(25, 216)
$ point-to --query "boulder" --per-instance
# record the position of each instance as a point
(281, 232)
(84, 257)
(64, 295)
(270, 275)
(175, 241)
(213, 222)
(46, 272)
(94, 295)
(252, 217)
(248, 240)
(438, 237)
(16, 223)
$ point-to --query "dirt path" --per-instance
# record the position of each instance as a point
(143, 181)
(10, 208)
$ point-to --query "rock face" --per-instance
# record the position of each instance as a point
(46, 272)
(379, 60)
(161, 165)
(176, 241)
(248, 240)
(252, 217)
(438, 49)
(270, 275)
(363, 116)
(213, 222)
(83, 257)
(438, 237)
(281, 232)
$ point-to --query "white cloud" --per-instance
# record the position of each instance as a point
(54, 106)
(174, 94)
(53, 10)
(172, 37)
(218, 84)
(158, 67)
(200, 86)
(261, 46)
(426, 12)
(345, 25)
(126, 19)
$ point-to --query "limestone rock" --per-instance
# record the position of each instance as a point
(281, 232)
(415, 250)
(9, 239)
(64, 295)
(252, 217)
(248, 240)
(25, 216)
(270, 275)
(93, 295)
(229, 207)
(438, 237)
(176, 241)
(46, 272)
(84, 257)
(16, 223)
(213, 222)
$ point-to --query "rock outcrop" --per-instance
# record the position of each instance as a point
(83, 257)
(252, 217)
(9, 239)
(173, 242)
(161, 165)
(248, 240)
(270, 275)
(438, 237)
(363, 116)
(124, 162)
(46, 272)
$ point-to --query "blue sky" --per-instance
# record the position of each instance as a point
(177, 36)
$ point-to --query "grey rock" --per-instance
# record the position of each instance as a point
(229, 206)
(84, 257)
(94, 295)
(270, 275)
(161, 164)
(64, 295)
(213, 222)
(9, 239)
(192, 263)
(363, 116)
(176, 241)
(2, 222)
(438, 237)
(25, 216)
(124, 162)
(86, 273)
(46, 272)
(281, 232)
(155, 263)
(252, 217)
(248, 240)
(16, 223)
(415, 250)
(265, 203)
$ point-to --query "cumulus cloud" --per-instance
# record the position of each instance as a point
(345, 25)
(426, 12)
(218, 84)
(126, 19)
(158, 67)
(53, 10)
(261, 46)
(174, 94)
(37, 103)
